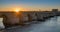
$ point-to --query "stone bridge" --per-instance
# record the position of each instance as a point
(18, 18)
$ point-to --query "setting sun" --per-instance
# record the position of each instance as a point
(17, 10)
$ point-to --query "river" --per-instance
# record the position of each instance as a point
(50, 25)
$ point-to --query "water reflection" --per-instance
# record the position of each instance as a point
(50, 25)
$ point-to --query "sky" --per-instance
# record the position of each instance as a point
(29, 5)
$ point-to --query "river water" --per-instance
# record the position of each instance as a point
(50, 25)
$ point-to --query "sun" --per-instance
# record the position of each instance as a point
(17, 10)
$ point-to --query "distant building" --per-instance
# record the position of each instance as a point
(55, 10)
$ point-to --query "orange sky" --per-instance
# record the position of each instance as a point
(29, 5)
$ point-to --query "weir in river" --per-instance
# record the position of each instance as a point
(49, 25)
(22, 18)
(25, 18)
